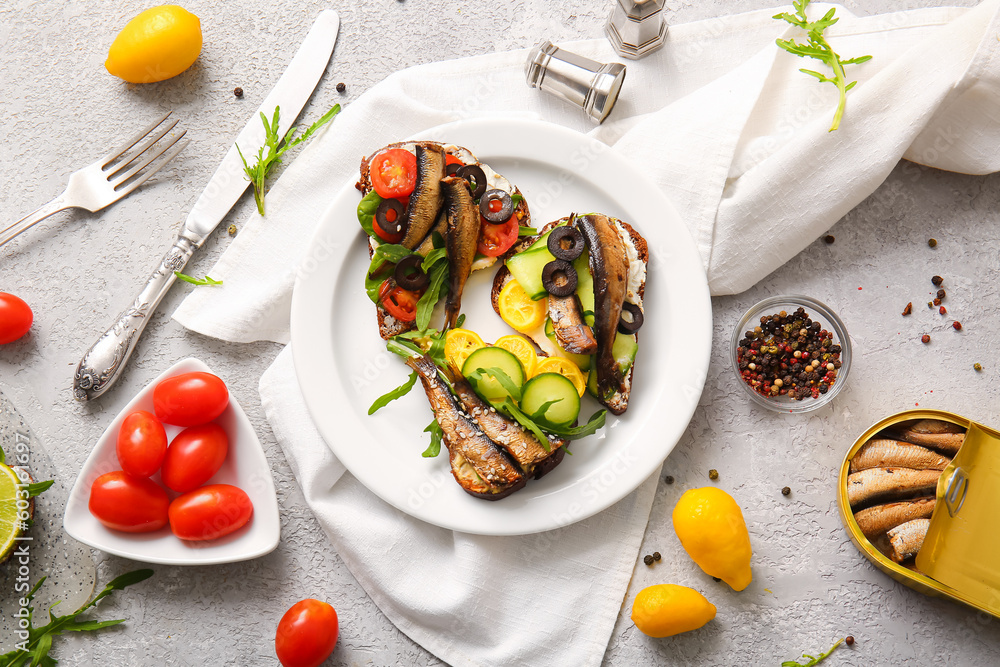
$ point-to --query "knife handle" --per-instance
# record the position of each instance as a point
(102, 365)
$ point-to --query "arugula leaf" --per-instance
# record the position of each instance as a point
(817, 47)
(460, 321)
(39, 640)
(437, 435)
(425, 305)
(38, 488)
(392, 252)
(497, 374)
(429, 342)
(366, 213)
(398, 392)
(207, 280)
(812, 660)
(539, 414)
(275, 148)
(595, 422)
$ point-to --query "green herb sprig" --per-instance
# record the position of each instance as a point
(437, 435)
(35, 649)
(817, 47)
(269, 155)
(812, 660)
(207, 280)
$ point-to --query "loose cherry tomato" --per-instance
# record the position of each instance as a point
(194, 456)
(142, 443)
(388, 237)
(398, 302)
(15, 318)
(190, 399)
(210, 512)
(393, 172)
(495, 240)
(129, 504)
(307, 634)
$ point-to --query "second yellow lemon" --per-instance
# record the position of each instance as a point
(665, 610)
(159, 43)
(712, 530)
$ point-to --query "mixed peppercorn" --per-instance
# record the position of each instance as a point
(789, 355)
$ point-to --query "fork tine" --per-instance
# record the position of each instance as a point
(119, 179)
(115, 152)
(142, 149)
(167, 157)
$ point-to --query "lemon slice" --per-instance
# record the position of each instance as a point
(563, 367)
(10, 525)
(459, 344)
(518, 310)
(521, 348)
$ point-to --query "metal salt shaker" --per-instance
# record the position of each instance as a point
(636, 27)
(584, 82)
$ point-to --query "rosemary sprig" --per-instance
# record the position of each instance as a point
(812, 660)
(207, 280)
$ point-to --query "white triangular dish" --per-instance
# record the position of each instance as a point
(245, 467)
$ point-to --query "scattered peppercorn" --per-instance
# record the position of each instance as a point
(908, 309)
(713, 474)
(937, 302)
(930, 305)
(647, 559)
(716, 579)
(232, 230)
(850, 640)
(957, 325)
(977, 367)
(943, 310)
(787, 491)
(341, 87)
(669, 479)
(941, 294)
(656, 555)
(937, 280)
(925, 339)
(237, 91)
(932, 243)
(829, 238)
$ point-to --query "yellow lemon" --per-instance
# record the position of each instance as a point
(711, 529)
(518, 310)
(521, 348)
(11, 524)
(564, 367)
(459, 344)
(665, 610)
(159, 43)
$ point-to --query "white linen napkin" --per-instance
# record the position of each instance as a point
(724, 123)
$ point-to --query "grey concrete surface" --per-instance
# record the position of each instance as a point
(58, 110)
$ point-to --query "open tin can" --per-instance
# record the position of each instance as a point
(960, 555)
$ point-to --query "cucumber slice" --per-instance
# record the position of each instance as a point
(526, 267)
(624, 349)
(592, 382)
(585, 286)
(488, 387)
(558, 391)
(582, 360)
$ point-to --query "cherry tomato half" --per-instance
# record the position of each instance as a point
(15, 318)
(495, 240)
(142, 443)
(129, 504)
(210, 512)
(451, 159)
(307, 634)
(194, 456)
(393, 172)
(388, 237)
(190, 399)
(398, 302)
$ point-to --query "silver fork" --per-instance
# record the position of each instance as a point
(103, 183)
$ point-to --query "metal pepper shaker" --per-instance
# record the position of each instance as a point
(581, 81)
(636, 27)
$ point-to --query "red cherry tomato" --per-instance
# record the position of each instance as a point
(190, 399)
(393, 172)
(398, 302)
(15, 318)
(307, 634)
(129, 504)
(210, 512)
(194, 456)
(142, 443)
(388, 237)
(495, 240)
(451, 159)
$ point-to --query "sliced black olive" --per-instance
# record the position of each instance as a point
(476, 177)
(631, 325)
(559, 278)
(566, 243)
(506, 206)
(409, 275)
(452, 168)
(381, 213)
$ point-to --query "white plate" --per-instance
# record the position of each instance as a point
(245, 467)
(342, 364)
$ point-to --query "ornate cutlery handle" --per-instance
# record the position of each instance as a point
(103, 363)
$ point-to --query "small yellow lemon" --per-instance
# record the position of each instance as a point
(159, 43)
(459, 344)
(712, 530)
(521, 348)
(518, 310)
(566, 368)
(665, 610)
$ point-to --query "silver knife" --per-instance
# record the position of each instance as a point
(102, 365)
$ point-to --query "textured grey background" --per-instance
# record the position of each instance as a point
(59, 109)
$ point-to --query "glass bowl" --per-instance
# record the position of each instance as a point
(817, 312)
